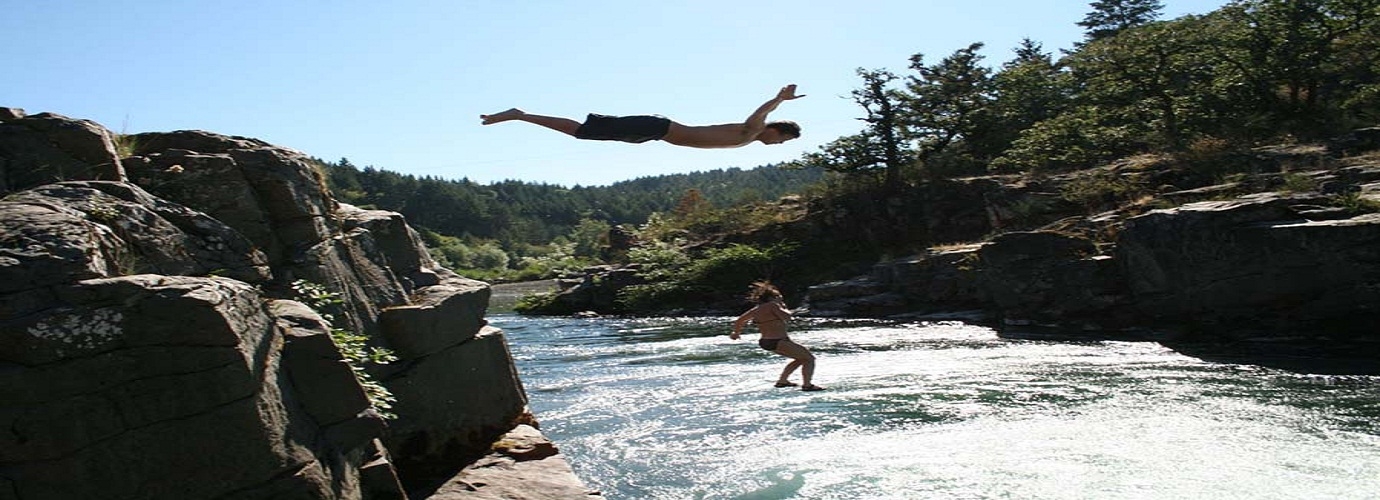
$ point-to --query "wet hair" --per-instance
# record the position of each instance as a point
(763, 291)
(785, 127)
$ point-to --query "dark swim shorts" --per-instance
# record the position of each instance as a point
(634, 129)
(769, 344)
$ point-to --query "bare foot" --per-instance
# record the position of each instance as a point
(510, 114)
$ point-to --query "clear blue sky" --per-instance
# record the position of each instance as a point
(399, 85)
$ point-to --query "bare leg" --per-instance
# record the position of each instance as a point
(803, 359)
(563, 125)
(786, 373)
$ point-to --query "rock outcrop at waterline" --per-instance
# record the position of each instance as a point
(151, 347)
(1266, 266)
(1279, 245)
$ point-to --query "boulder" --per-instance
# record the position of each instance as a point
(522, 464)
(44, 148)
(401, 246)
(192, 374)
(439, 317)
(597, 291)
(65, 232)
(939, 281)
(1047, 277)
(1254, 265)
(350, 264)
(274, 196)
(156, 316)
(452, 405)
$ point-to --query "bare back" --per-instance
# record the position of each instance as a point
(728, 135)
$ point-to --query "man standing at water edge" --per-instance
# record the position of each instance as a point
(643, 128)
(770, 315)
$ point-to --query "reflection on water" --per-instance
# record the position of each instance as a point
(671, 408)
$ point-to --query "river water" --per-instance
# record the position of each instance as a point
(671, 408)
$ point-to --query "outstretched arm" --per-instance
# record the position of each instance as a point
(758, 120)
(739, 323)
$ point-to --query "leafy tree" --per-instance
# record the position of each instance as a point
(1309, 67)
(1111, 17)
(589, 237)
(1153, 77)
(880, 145)
(1028, 89)
(948, 102)
(1079, 138)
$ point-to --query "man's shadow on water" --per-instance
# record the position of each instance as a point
(784, 484)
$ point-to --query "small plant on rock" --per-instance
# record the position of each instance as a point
(352, 345)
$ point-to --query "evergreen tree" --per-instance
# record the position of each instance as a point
(1110, 17)
(1028, 89)
(1310, 66)
(948, 102)
(880, 146)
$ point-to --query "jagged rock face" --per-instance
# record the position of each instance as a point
(454, 398)
(44, 148)
(104, 229)
(400, 245)
(942, 281)
(1051, 277)
(274, 196)
(277, 199)
(58, 234)
(1254, 264)
(141, 358)
(190, 398)
(1249, 268)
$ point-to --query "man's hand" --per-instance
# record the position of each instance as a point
(788, 93)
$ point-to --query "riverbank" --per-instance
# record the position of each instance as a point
(503, 296)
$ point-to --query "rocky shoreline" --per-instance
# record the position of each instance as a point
(1281, 261)
(151, 344)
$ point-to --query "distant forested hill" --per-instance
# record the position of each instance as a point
(514, 212)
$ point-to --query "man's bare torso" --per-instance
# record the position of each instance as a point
(728, 135)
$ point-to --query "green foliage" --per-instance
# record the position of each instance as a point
(1074, 140)
(737, 265)
(946, 105)
(660, 260)
(1356, 203)
(678, 279)
(353, 347)
(1110, 17)
(589, 237)
(534, 303)
(1101, 189)
(125, 145)
(1296, 182)
(1253, 71)
(516, 230)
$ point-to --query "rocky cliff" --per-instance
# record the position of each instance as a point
(152, 346)
(1269, 249)
(1288, 257)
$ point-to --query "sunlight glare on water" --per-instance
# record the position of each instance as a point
(671, 408)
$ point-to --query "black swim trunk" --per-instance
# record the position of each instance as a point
(634, 129)
(769, 344)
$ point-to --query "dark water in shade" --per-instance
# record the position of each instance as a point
(671, 408)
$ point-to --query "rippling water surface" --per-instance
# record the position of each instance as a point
(671, 408)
